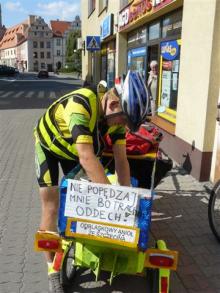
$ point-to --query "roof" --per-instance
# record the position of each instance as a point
(13, 36)
(59, 27)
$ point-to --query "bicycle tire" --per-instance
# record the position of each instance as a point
(214, 210)
(68, 271)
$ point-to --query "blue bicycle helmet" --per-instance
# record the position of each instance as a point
(134, 98)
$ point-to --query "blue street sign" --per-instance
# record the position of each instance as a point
(93, 43)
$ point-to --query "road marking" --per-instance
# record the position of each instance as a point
(18, 94)
(41, 94)
(7, 94)
(52, 95)
(30, 94)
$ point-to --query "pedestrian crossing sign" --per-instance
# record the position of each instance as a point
(93, 43)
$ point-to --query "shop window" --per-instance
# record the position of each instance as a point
(137, 37)
(136, 60)
(104, 62)
(169, 78)
(124, 3)
(102, 5)
(91, 6)
(111, 64)
(172, 24)
(154, 31)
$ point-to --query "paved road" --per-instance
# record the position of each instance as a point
(180, 208)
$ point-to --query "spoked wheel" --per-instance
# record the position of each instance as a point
(214, 210)
(68, 267)
(153, 281)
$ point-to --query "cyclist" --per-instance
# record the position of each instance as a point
(70, 133)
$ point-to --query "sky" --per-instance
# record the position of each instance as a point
(14, 12)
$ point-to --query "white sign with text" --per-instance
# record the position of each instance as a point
(102, 202)
(104, 231)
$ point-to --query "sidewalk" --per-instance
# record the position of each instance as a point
(179, 217)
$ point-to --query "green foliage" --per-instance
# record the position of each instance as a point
(73, 56)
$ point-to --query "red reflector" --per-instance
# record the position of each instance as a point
(57, 261)
(164, 284)
(161, 260)
(48, 244)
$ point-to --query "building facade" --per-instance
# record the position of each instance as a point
(61, 31)
(133, 33)
(28, 45)
(40, 42)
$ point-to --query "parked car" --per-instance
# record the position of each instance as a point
(7, 70)
(43, 74)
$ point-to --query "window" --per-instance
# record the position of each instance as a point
(169, 78)
(154, 31)
(58, 42)
(42, 27)
(48, 55)
(91, 7)
(137, 37)
(172, 24)
(48, 45)
(35, 55)
(42, 55)
(58, 52)
(124, 3)
(102, 5)
(34, 44)
(35, 33)
(41, 34)
(36, 27)
(43, 65)
(42, 44)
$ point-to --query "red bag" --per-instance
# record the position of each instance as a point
(138, 143)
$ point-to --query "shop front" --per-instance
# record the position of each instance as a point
(107, 70)
(158, 39)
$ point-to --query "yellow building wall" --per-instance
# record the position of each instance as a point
(199, 73)
(90, 27)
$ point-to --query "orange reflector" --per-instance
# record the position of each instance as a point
(164, 284)
(48, 244)
(161, 260)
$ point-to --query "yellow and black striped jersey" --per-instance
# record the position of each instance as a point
(74, 119)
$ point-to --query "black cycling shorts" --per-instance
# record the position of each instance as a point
(47, 166)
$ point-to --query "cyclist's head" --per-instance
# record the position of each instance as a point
(134, 98)
(111, 108)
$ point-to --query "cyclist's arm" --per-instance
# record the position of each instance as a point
(91, 163)
(121, 164)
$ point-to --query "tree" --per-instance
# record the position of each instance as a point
(73, 56)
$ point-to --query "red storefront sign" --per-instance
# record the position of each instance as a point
(137, 9)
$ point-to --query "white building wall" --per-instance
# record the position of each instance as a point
(59, 47)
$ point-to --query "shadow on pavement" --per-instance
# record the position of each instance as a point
(85, 282)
